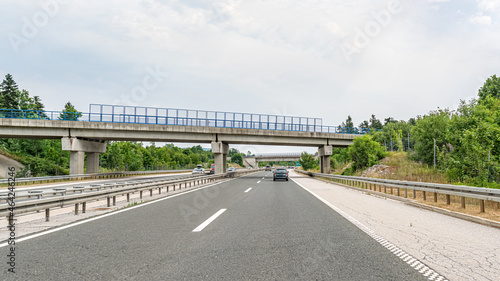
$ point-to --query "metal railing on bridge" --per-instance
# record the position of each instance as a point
(292, 154)
(184, 117)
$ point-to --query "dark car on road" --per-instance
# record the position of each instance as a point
(280, 173)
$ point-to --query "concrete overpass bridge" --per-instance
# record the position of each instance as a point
(270, 157)
(82, 133)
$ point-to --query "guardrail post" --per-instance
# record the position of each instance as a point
(174, 186)
(424, 194)
(84, 207)
(398, 191)
(128, 197)
(47, 214)
(385, 189)
(481, 203)
(159, 190)
(140, 194)
(406, 192)
(76, 208)
(114, 200)
(414, 193)
(448, 199)
(151, 192)
(109, 201)
(462, 199)
(435, 197)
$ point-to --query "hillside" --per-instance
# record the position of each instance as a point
(5, 162)
(398, 166)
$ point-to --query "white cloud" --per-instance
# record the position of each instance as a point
(480, 19)
(489, 5)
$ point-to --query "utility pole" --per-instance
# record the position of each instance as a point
(434, 153)
(408, 141)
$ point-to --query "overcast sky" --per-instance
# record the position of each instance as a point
(312, 58)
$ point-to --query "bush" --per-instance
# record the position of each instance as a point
(307, 161)
(365, 152)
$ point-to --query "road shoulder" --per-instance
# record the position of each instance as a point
(458, 249)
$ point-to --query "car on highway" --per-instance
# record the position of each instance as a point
(268, 168)
(280, 173)
(212, 169)
(198, 171)
(231, 169)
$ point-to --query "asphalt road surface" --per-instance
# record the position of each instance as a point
(250, 228)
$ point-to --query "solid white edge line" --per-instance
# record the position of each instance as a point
(359, 225)
(209, 220)
(248, 190)
(258, 182)
(107, 215)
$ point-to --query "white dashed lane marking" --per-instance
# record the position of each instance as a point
(209, 220)
(248, 190)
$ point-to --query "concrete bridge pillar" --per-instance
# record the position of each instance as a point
(76, 162)
(220, 151)
(324, 155)
(92, 163)
(78, 148)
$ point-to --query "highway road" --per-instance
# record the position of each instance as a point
(250, 228)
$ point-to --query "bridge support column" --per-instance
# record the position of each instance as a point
(220, 151)
(92, 163)
(76, 162)
(77, 148)
(324, 155)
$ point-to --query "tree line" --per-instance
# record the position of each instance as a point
(463, 143)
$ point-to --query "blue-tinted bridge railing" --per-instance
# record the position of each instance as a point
(184, 117)
(292, 154)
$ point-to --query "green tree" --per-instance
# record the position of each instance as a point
(307, 161)
(375, 124)
(348, 122)
(339, 157)
(473, 149)
(364, 125)
(9, 93)
(365, 152)
(435, 125)
(490, 88)
(388, 120)
(70, 113)
(237, 159)
(233, 151)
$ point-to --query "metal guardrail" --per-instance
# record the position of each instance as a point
(109, 193)
(82, 187)
(480, 193)
(90, 176)
(184, 117)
